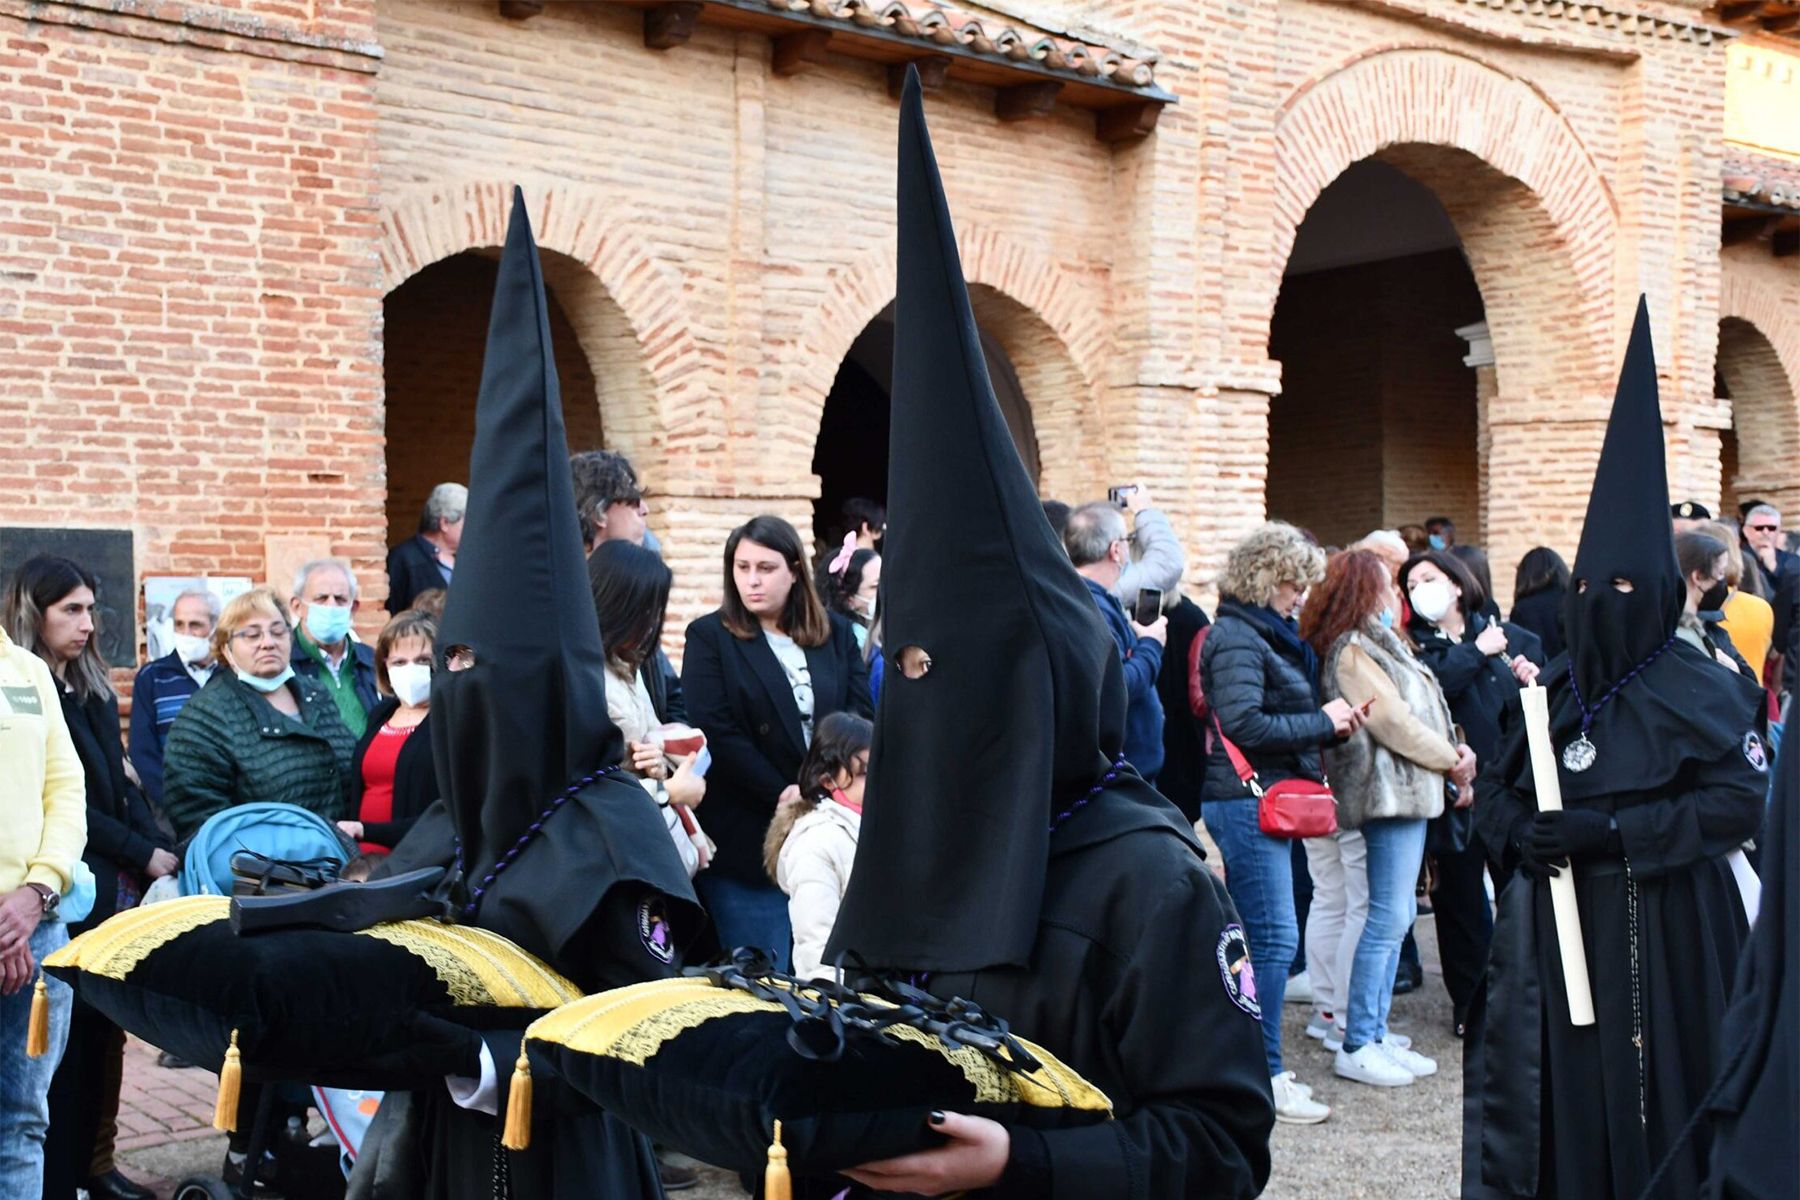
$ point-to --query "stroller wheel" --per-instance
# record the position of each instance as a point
(203, 1187)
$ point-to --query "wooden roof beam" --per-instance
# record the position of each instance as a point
(1023, 101)
(520, 10)
(933, 70)
(1787, 243)
(670, 25)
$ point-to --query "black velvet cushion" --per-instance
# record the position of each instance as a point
(392, 1006)
(708, 1069)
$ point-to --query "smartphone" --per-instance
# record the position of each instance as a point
(702, 762)
(1117, 494)
(1148, 606)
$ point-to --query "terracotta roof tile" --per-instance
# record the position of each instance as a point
(1761, 178)
(942, 25)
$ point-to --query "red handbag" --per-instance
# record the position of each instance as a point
(1293, 808)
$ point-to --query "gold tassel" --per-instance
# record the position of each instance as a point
(777, 1184)
(37, 1034)
(517, 1134)
(231, 1082)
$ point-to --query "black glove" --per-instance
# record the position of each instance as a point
(1531, 864)
(1557, 837)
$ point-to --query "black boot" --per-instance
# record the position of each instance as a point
(114, 1186)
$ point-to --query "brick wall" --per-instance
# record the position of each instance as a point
(203, 207)
(189, 306)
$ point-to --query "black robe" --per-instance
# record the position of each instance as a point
(1132, 983)
(601, 938)
(1555, 1111)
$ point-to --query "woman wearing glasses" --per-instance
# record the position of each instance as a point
(256, 732)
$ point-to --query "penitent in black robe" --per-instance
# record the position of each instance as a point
(1556, 1111)
(624, 924)
(1138, 981)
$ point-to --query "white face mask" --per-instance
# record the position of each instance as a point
(1431, 599)
(411, 683)
(265, 686)
(192, 650)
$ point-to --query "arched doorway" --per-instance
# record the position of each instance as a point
(1757, 454)
(851, 454)
(435, 336)
(1377, 421)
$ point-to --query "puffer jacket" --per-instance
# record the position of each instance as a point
(1260, 692)
(1394, 766)
(230, 746)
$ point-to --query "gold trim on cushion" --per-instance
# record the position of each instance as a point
(632, 1023)
(114, 948)
(478, 968)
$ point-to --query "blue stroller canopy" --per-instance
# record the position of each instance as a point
(284, 831)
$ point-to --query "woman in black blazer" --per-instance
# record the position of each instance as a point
(757, 674)
(400, 781)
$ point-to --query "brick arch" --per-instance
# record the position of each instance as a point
(623, 300)
(1774, 317)
(1531, 206)
(1764, 414)
(1044, 316)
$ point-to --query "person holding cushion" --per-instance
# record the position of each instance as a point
(1083, 913)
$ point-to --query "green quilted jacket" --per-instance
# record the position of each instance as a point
(230, 746)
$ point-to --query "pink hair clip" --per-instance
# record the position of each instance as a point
(841, 563)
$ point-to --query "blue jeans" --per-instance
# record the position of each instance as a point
(25, 1082)
(746, 914)
(1259, 874)
(1396, 848)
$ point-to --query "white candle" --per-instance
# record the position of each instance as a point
(1536, 703)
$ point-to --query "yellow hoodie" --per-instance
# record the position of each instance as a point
(43, 793)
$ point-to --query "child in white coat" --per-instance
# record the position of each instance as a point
(811, 843)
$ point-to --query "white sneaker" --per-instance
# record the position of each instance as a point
(1299, 988)
(1302, 1088)
(1369, 1065)
(1334, 1038)
(1321, 1025)
(1417, 1065)
(1294, 1107)
(1397, 1039)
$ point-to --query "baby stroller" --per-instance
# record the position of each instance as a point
(272, 845)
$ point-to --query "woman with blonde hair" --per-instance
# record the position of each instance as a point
(1262, 686)
(256, 732)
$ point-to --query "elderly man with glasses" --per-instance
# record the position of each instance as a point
(257, 731)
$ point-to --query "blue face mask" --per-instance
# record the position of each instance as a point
(1386, 617)
(265, 686)
(327, 624)
(1437, 542)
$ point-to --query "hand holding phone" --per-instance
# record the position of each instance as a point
(1148, 606)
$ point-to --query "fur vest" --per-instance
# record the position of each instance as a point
(1395, 765)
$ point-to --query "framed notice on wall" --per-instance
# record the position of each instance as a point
(103, 553)
(160, 592)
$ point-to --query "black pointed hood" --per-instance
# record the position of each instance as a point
(1024, 706)
(1682, 707)
(529, 718)
(1627, 535)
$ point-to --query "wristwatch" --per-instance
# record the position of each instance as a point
(48, 895)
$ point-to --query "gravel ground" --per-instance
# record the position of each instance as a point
(1378, 1142)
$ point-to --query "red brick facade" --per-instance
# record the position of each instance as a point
(203, 208)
